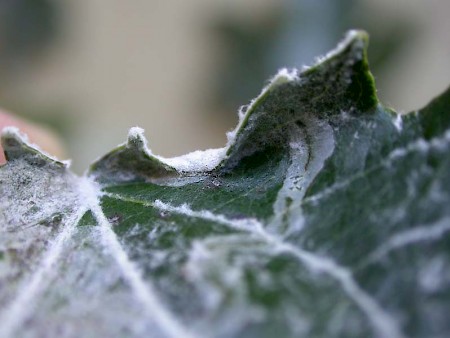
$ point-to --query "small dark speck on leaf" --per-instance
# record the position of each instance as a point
(213, 183)
(164, 214)
(53, 222)
(115, 219)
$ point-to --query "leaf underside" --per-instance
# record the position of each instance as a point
(325, 216)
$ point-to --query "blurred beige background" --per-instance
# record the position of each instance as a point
(117, 64)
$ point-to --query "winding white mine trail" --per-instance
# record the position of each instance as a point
(382, 322)
(142, 290)
(24, 304)
(310, 146)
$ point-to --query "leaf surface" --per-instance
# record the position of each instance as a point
(326, 215)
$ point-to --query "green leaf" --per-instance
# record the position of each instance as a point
(326, 215)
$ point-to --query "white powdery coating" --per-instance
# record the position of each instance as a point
(284, 75)
(398, 121)
(93, 290)
(382, 322)
(23, 305)
(135, 132)
(196, 161)
(349, 37)
(143, 290)
(34, 195)
(208, 268)
(205, 270)
(34, 201)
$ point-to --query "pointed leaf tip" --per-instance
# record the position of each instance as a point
(339, 82)
(136, 139)
(17, 147)
(435, 116)
(129, 162)
(356, 41)
(344, 76)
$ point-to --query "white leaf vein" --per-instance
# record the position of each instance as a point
(142, 289)
(382, 322)
(23, 305)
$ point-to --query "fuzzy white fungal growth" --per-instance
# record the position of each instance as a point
(24, 304)
(196, 161)
(398, 122)
(45, 190)
(349, 37)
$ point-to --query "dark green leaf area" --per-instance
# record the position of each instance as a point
(87, 219)
(388, 219)
(363, 211)
(328, 217)
(248, 191)
(158, 241)
(298, 303)
(422, 270)
(208, 273)
(341, 83)
(378, 206)
(130, 161)
(435, 117)
(361, 143)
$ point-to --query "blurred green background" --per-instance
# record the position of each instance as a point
(180, 69)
